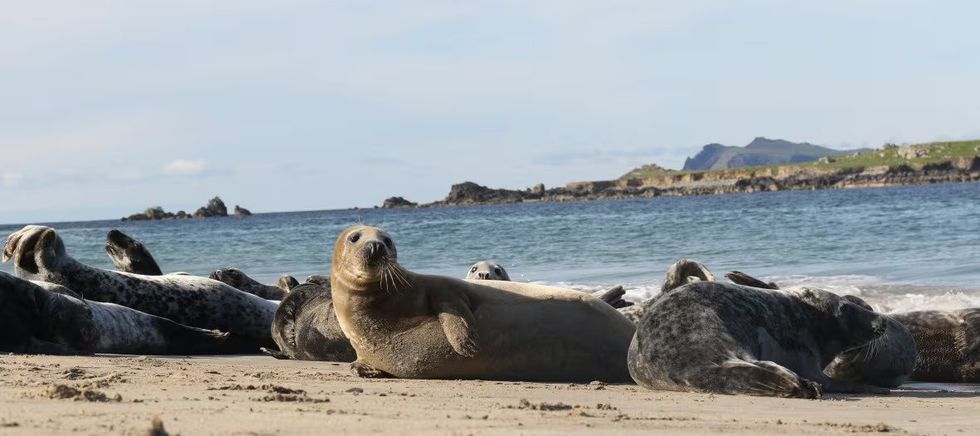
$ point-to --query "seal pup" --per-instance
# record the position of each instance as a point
(39, 254)
(306, 327)
(731, 339)
(237, 279)
(45, 318)
(887, 361)
(130, 255)
(487, 270)
(948, 342)
(409, 325)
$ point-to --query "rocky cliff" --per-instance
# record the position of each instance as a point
(760, 152)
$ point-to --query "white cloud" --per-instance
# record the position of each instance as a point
(181, 167)
(11, 179)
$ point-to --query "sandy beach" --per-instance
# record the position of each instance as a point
(258, 395)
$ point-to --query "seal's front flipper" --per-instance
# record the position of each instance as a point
(459, 325)
(364, 370)
(765, 378)
(274, 353)
(741, 278)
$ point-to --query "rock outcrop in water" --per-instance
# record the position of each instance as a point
(397, 202)
(888, 166)
(215, 208)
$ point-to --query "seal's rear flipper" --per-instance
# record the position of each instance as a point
(741, 278)
(274, 353)
(614, 297)
(459, 324)
(686, 271)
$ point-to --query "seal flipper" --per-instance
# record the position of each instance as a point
(274, 353)
(741, 278)
(737, 376)
(614, 297)
(364, 370)
(458, 323)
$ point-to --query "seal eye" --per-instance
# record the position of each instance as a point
(473, 270)
(354, 237)
(498, 271)
(387, 242)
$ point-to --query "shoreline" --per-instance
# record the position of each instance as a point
(261, 395)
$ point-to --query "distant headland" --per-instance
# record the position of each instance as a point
(763, 165)
(215, 208)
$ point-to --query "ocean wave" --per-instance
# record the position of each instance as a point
(885, 297)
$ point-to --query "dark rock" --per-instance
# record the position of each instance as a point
(241, 211)
(759, 152)
(215, 207)
(396, 202)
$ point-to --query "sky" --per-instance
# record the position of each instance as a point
(109, 107)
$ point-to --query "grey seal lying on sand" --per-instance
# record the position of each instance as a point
(887, 361)
(39, 254)
(487, 270)
(731, 339)
(46, 318)
(410, 325)
(306, 327)
(949, 344)
(237, 279)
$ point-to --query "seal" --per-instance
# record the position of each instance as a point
(682, 272)
(887, 361)
(949, 344)
(487, 270)
(287, 283)
(409, 325)
(237, 279)
(130, 255)
(306, 327)
(44, 318)
(39, 254)
(731, 339)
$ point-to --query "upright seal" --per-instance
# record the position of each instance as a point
(410, 325)
(130, 255)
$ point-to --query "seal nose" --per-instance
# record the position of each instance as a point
(375, 251)
(484, 276)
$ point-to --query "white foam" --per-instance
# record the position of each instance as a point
(885, 297)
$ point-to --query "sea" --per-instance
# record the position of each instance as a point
(901, 248)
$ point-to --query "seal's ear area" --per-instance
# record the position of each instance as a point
(459, 325)
(857, 300)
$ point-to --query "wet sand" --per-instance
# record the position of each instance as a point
(260, 395)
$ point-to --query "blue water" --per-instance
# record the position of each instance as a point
(902, 248)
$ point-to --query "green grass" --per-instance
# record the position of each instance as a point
(937, 152)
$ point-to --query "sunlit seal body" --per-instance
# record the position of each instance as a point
(39, 254)
(948, 342)
(237, 279)
(306, 327)
(487, 270)
(411, 325)
(887, 361)
(731, 339)
(44, 318)
(130, 255)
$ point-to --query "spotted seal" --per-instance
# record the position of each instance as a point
(306, 327)
(45, 318)
(39, 254)
(948, 342)
(731, 339)
(237, 279)
(410, 325)
(130, 255)
(887, 361)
